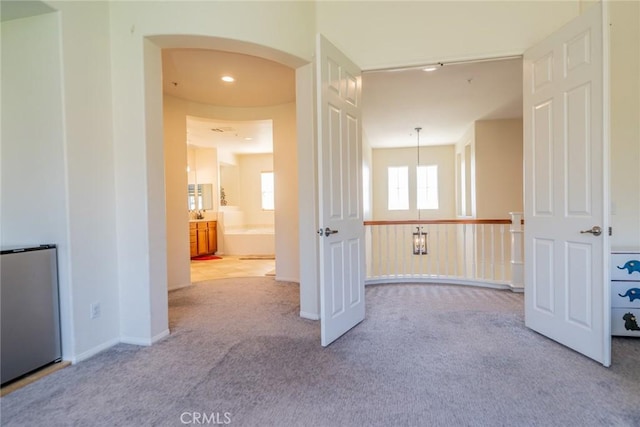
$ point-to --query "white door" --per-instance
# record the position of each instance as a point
(341, 225)
(566, 189)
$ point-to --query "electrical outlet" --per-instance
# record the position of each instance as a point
(94, 310)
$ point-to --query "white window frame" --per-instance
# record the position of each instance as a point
(427, 187)
(398, 188)
(267, 190)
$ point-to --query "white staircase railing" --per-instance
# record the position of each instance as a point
(484, 252)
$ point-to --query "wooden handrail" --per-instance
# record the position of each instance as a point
(440, 221)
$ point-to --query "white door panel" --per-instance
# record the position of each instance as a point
(566, 271)
(340, 200)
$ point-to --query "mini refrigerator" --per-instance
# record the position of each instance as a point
(29, 310)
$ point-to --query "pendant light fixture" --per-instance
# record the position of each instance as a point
(419, 241)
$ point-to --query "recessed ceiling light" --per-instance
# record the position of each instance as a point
(430, 68)
(248, 138)
(228, 79)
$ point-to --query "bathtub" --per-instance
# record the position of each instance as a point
(235, 237)
(248, 241)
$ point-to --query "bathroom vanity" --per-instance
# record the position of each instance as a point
(203, 236)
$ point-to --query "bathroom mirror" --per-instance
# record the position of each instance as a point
(202, 199)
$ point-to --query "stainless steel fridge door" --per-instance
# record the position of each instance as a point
(29, 311)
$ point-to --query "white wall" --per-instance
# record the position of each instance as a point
(307, 193)
(367, 179)
(465, 171)
(498, 168)
(60, 139)
(152, 315)
(229, 181)
(489, 169)
(442, 155)
(33, 207)
(175, 161)
(285, 153)
(382, 34)
(90, 173)
(191, 150)
(625, 123)
(250, 198)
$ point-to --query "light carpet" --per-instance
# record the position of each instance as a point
(426, 355)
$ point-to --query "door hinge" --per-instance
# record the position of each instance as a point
(610, 231)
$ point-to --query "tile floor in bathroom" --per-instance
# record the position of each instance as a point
(232, 266)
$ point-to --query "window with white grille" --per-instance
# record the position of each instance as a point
(398, 179)
(267, 186)
(427, 187)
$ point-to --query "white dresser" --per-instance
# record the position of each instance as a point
(625, 292)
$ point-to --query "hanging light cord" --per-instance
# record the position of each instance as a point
(418, 129)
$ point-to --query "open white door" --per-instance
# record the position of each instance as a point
(566, 189)
(341, 223)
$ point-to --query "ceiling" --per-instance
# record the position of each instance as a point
(444, 103)
(238, 137)
(10, 10)
(195, 74)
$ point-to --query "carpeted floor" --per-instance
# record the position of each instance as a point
(426, 355)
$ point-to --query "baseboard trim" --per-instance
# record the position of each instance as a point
(162, 335)
(184, 285)
(93, 351)
(125, 340)
(309, 316)
(145, 341)
(287, 279)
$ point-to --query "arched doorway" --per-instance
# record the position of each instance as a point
(159, 252)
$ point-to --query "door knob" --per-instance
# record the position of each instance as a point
(595, 230)
(327, 231)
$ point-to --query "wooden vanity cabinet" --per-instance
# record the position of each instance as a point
(203, 237)
(193, 239)
(212, 236)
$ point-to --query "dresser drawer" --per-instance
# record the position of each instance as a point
(624, 321)
(625, 266)
(625, 294)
